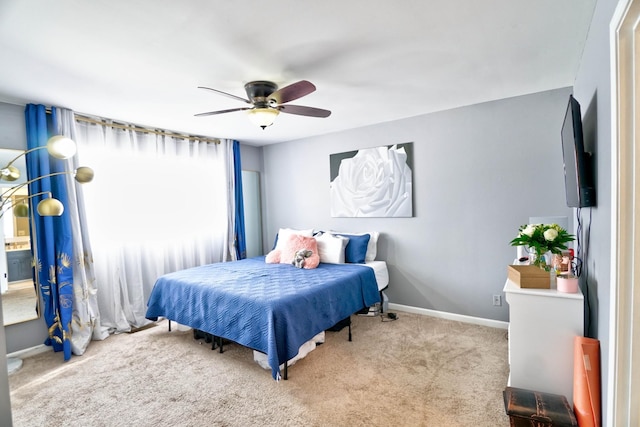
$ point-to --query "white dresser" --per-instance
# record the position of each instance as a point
(542, 327)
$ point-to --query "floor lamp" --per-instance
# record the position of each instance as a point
(59, 147)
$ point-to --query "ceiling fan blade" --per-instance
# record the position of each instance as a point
(292, 92)
(211, 113)
(225, 94)
(304, 111)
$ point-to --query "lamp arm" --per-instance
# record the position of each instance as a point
(7, 196)
(11, 203)
(58, 146)
(24, 153)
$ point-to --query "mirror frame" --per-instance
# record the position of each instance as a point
(6, 155)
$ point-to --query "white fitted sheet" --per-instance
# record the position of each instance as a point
(381, 272)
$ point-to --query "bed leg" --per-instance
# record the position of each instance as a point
(349, 328)
(169, 325)
(381, 303)
(220, 343)
(286, 370)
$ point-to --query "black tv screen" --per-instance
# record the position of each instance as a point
(578, 176)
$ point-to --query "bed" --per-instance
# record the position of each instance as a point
(271, 308)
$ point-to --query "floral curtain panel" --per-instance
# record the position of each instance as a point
(53, 251)
(239, 226)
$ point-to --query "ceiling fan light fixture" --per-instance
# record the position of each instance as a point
(263, 117)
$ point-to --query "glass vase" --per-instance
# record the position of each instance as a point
(537, 258)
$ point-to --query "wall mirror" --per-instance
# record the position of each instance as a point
(19, 296)
(252, 208)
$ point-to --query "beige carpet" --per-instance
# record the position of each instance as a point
(19, 303)
(415, 371)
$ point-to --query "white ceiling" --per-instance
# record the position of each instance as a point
(371, 60)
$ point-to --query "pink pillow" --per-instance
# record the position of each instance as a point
(273, 257)
(294, 243)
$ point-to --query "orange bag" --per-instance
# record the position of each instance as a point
(586, 381)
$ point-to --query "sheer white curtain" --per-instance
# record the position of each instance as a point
(157, 204)
(85, 304)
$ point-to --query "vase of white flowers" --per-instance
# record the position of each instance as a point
(540, 239)
(537, 257)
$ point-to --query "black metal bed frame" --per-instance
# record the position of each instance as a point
(218, 342)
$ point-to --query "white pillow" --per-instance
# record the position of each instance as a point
(284, 233)
(331, 248)
(372, 246)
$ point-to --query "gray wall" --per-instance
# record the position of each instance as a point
(251, 158)
(12, 127)
(479, 173)
(593, 91)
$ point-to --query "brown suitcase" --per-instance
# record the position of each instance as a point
(537, 409)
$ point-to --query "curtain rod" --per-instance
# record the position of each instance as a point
(82, 118)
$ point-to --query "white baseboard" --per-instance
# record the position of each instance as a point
(31, 351)
(450, 316)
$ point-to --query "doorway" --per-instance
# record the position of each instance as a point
(624, 351)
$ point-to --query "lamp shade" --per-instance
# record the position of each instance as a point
(21, 210)
(263, 117)
(50, 207)
(61, 147)
(10, 173)
(84, 174)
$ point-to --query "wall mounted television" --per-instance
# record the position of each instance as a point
(578, 170)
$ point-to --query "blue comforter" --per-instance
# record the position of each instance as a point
(272, 308)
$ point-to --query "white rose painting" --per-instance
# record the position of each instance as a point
(372, 182)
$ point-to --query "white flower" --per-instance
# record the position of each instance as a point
(376, 182)
(551, 234)
(529, 230)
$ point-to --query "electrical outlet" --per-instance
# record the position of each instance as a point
(497, 300)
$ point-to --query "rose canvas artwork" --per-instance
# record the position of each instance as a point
(372, 182)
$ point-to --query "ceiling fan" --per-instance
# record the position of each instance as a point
(267, 101)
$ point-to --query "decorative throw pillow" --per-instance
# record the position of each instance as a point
(372, 246)
(356, 250)
(293, 244)
(273, 257)
(284, 233)
(331, 248)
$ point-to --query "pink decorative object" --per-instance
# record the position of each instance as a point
(294, 243)
(273, 257)
(567, 284)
